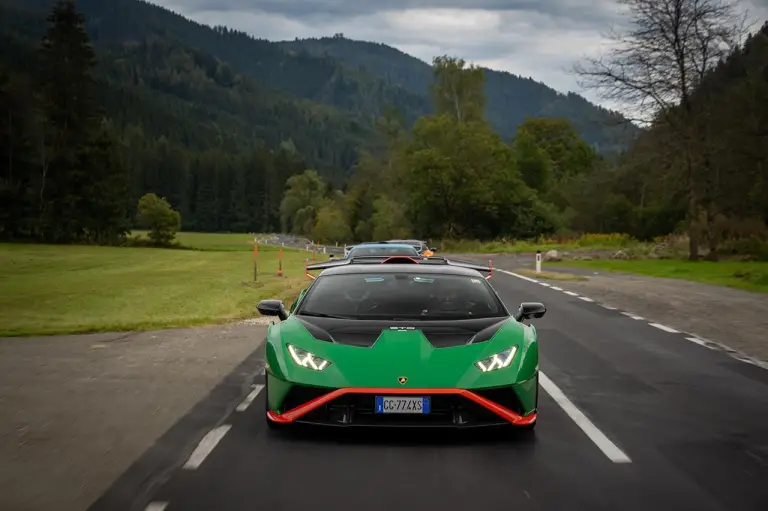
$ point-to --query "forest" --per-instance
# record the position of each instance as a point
(343, 154)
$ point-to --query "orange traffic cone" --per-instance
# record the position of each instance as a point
(280, 263)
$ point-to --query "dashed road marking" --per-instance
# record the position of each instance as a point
(249, 398)
(156, 506)
(611, 451)
(700, 342)
(206, 446)
(665, 328)
(735, 354)
(519, 276)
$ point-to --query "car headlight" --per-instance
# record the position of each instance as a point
(498, 361)
(307, 359)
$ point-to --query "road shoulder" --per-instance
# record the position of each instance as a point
(77, 411)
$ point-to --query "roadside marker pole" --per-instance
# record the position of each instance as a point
(280, 263)
(538, 261)
(255, 261)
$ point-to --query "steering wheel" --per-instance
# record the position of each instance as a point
(356, 295)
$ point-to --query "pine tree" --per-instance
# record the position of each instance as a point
(70, 118)
(84, 181)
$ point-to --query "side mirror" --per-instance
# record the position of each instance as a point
(433, 249)
(530, 310)
(272, 308)
(330, 256)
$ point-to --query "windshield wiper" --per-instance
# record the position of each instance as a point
(321, 315)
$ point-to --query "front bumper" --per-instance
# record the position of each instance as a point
(457, 408)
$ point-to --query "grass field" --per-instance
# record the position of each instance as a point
(48, 289)
(584, 242)
(749, 276)
(219, 242)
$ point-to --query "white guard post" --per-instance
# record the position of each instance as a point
(538, 261)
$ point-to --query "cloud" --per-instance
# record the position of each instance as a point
(540, 39)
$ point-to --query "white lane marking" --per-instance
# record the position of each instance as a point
(156, 506)
(699, 342)
(664, 327)
(249, 398)
(519, 276)
(586, 299)
(608, 307)
(706, 343)
(206, 445)
(545, 284)
(571, 293)
(611, 451)
(263, 372)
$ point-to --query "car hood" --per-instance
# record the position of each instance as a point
(400, 351)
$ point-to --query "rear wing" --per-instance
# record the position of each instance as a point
(433, 260)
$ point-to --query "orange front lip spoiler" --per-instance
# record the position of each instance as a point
(301, 410)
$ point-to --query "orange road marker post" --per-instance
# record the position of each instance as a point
(280, 262)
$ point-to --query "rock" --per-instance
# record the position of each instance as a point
(552, 255)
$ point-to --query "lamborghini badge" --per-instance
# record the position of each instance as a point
(402, 380)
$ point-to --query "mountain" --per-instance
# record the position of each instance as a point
(216, 120)
(510, 98)
(353, 76)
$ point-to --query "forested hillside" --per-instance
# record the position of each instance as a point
(510, 98)
(247, 135)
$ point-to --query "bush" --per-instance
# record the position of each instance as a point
(157, 215)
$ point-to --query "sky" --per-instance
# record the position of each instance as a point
(540, 39)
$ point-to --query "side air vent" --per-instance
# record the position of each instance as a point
(486, 333)
(356, 337)
(317, 332)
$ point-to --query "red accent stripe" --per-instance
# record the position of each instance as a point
(399, 259)
(301, 410)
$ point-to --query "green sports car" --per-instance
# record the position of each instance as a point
(400, 341)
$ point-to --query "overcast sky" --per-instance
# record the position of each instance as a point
(540, 39)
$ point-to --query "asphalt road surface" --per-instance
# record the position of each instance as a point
(633, 416)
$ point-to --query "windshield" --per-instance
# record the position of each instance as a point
(383, 250)
(402, 296)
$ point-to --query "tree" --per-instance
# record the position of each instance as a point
(463, 182)
(458, 90)
(304, 196)
(331, 227)
(156, 215)
(656, 66)
(389, 220)
(71, 116)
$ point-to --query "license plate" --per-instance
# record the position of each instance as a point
(400, 404)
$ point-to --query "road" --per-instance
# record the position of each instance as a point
(633, 416)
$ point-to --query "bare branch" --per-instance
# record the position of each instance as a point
(659, 61)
